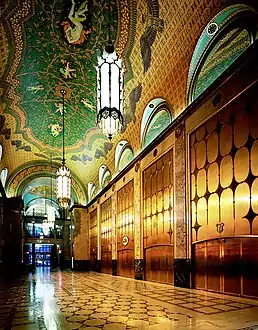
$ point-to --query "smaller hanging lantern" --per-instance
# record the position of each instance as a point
(63, 180)
(110, 92)
(63, 187)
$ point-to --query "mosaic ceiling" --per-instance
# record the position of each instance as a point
(51, 45)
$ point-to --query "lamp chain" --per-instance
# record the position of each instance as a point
(63, 92)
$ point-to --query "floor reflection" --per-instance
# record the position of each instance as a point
(69, 300)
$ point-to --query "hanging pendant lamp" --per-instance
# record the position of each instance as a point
(110, 90)
(63, 180)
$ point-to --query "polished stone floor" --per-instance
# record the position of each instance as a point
(72, 300)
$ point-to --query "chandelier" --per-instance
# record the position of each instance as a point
(109, 90)
(63, 191)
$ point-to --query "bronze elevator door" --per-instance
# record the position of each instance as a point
(125, 230)
(159, 263)
(125, 262)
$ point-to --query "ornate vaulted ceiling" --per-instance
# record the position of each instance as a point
(40, 54)
(50, 45)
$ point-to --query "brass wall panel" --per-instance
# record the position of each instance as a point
(226, 211)
(241, 164)
(213, 177)
(254, 123)
(229, 265)
(213, 215)
(158, 225)
(202, 218)
(241, 129)
(254, 196)
(125, 228)
(232, 275)
(200, 133)
(250, 262)
(212, 147)
(242, 204)
(226, 171)
(255, 226)
(229, 208)
(106, 236)
(201, 154)
(201, 183)
(213, 265)
(193, 159)
(231, 171)
(193, 186)
(225, 143)
(254, 158)
(93, 239)
(212, 124)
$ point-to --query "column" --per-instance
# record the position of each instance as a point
(182, 261)
(66, 262)
(81, 244)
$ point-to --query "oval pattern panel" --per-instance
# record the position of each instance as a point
(193, 188)
(212, 147)
(201, 133)
(226, 171)
(254, 196)
(193, 159)
(201, 183)
(254, 158)
(242, 202)
(254, 123)
(241, 129)
(213, 177)
(213, 215)
(202, 218)
(194, 216)
(226, 211)
(241, 164)
(201, 154)
(225, 143)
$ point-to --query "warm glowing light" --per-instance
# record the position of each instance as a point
(110, 92)
(63, 186)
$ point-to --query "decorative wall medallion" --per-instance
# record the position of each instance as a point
(179, 130)
(125, 240)
(212, 29)
(136, 167)
(220, 227)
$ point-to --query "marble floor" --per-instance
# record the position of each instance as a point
(73, 300)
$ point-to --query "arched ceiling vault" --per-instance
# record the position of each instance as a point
(50, 45)
(40, 54)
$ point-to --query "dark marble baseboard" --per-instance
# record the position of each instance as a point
(182, 273)
(114, 267)
(138, 269)
(81, 265)
(66, 264)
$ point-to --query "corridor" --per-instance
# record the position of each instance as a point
(71, 300)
